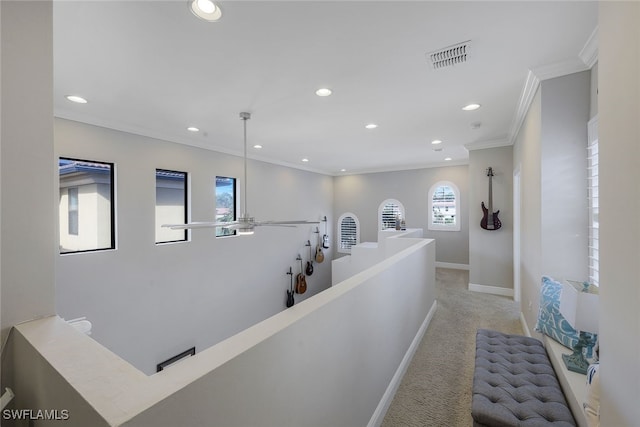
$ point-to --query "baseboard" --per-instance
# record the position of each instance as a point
(387, 397)
(452, 265)
(495, 290)
(523, 322)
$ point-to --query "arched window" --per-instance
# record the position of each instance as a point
(348, 232)
(388, 211)
(444, 207)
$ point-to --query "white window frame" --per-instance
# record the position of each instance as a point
(381, 209)
(178, 236)
(593, 202)
(106, 244)
(341, 247)
(443, 227)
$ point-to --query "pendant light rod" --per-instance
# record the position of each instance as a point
(245, 116)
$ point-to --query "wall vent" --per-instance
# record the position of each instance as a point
(450, 56)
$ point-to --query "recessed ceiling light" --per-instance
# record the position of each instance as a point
(436, 142)
(305, 160)
(343, 170)
(447, 158)
(471, 107)
(77, 99)
(257, 146)
(323, 92)
(371, 126)
(205, 9)
(193, 129)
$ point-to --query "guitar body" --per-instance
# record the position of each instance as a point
(309, 269)
(319, 254)
(301, 283)
(490, 221)
(290, 300)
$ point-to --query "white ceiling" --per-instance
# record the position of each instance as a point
(153, 68)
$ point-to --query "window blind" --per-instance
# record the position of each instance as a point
(593, 203)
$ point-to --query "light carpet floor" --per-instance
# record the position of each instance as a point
(436, 389)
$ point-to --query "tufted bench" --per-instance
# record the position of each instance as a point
(514, 384)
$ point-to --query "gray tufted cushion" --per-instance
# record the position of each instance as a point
(514, 384)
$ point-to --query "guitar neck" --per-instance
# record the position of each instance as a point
(490, 196)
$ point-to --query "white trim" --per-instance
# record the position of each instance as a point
(589, 53)
(381, 207)
(339, 232)
(572, 383)
(559, 69)
(452, 265)
(523, 323)
(517, 233)
(526, 98)
(387, 397)
(494, 290)
(535, 76)
(493, 143)
(461, 162)
(458, 207)
(179, 139)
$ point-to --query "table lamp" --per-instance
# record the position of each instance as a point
(579, 306)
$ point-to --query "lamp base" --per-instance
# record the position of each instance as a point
(576, 362)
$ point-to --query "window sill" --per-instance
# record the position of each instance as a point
(573, 384)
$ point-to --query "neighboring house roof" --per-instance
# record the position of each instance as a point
(66, 167)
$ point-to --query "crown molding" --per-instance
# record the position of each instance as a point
(589, 53)
(559, 69)
(588, 57)
(493, 143)
(526, 97)
(462, 162)
(176, 139)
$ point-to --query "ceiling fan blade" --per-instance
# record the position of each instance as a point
(269, 224)
(191, 225)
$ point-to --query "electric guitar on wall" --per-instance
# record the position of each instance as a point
(290, 300)
(490, 219)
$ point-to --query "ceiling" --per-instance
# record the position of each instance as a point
(153, 68)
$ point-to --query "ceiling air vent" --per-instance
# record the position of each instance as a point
(450, 56)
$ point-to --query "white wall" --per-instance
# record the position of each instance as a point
(27, 228)
(362, 195)
(619, 146)
(334, 359)
(551, 152)
(491, 252)
(526, 152)
(565, 113)
(149, 302)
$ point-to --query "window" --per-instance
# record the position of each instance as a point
(225, 204)
(444, 207)
(171, 205)
(388, 212)
(86, 208)
(594, 207)
(348, 232)
(73, 211)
